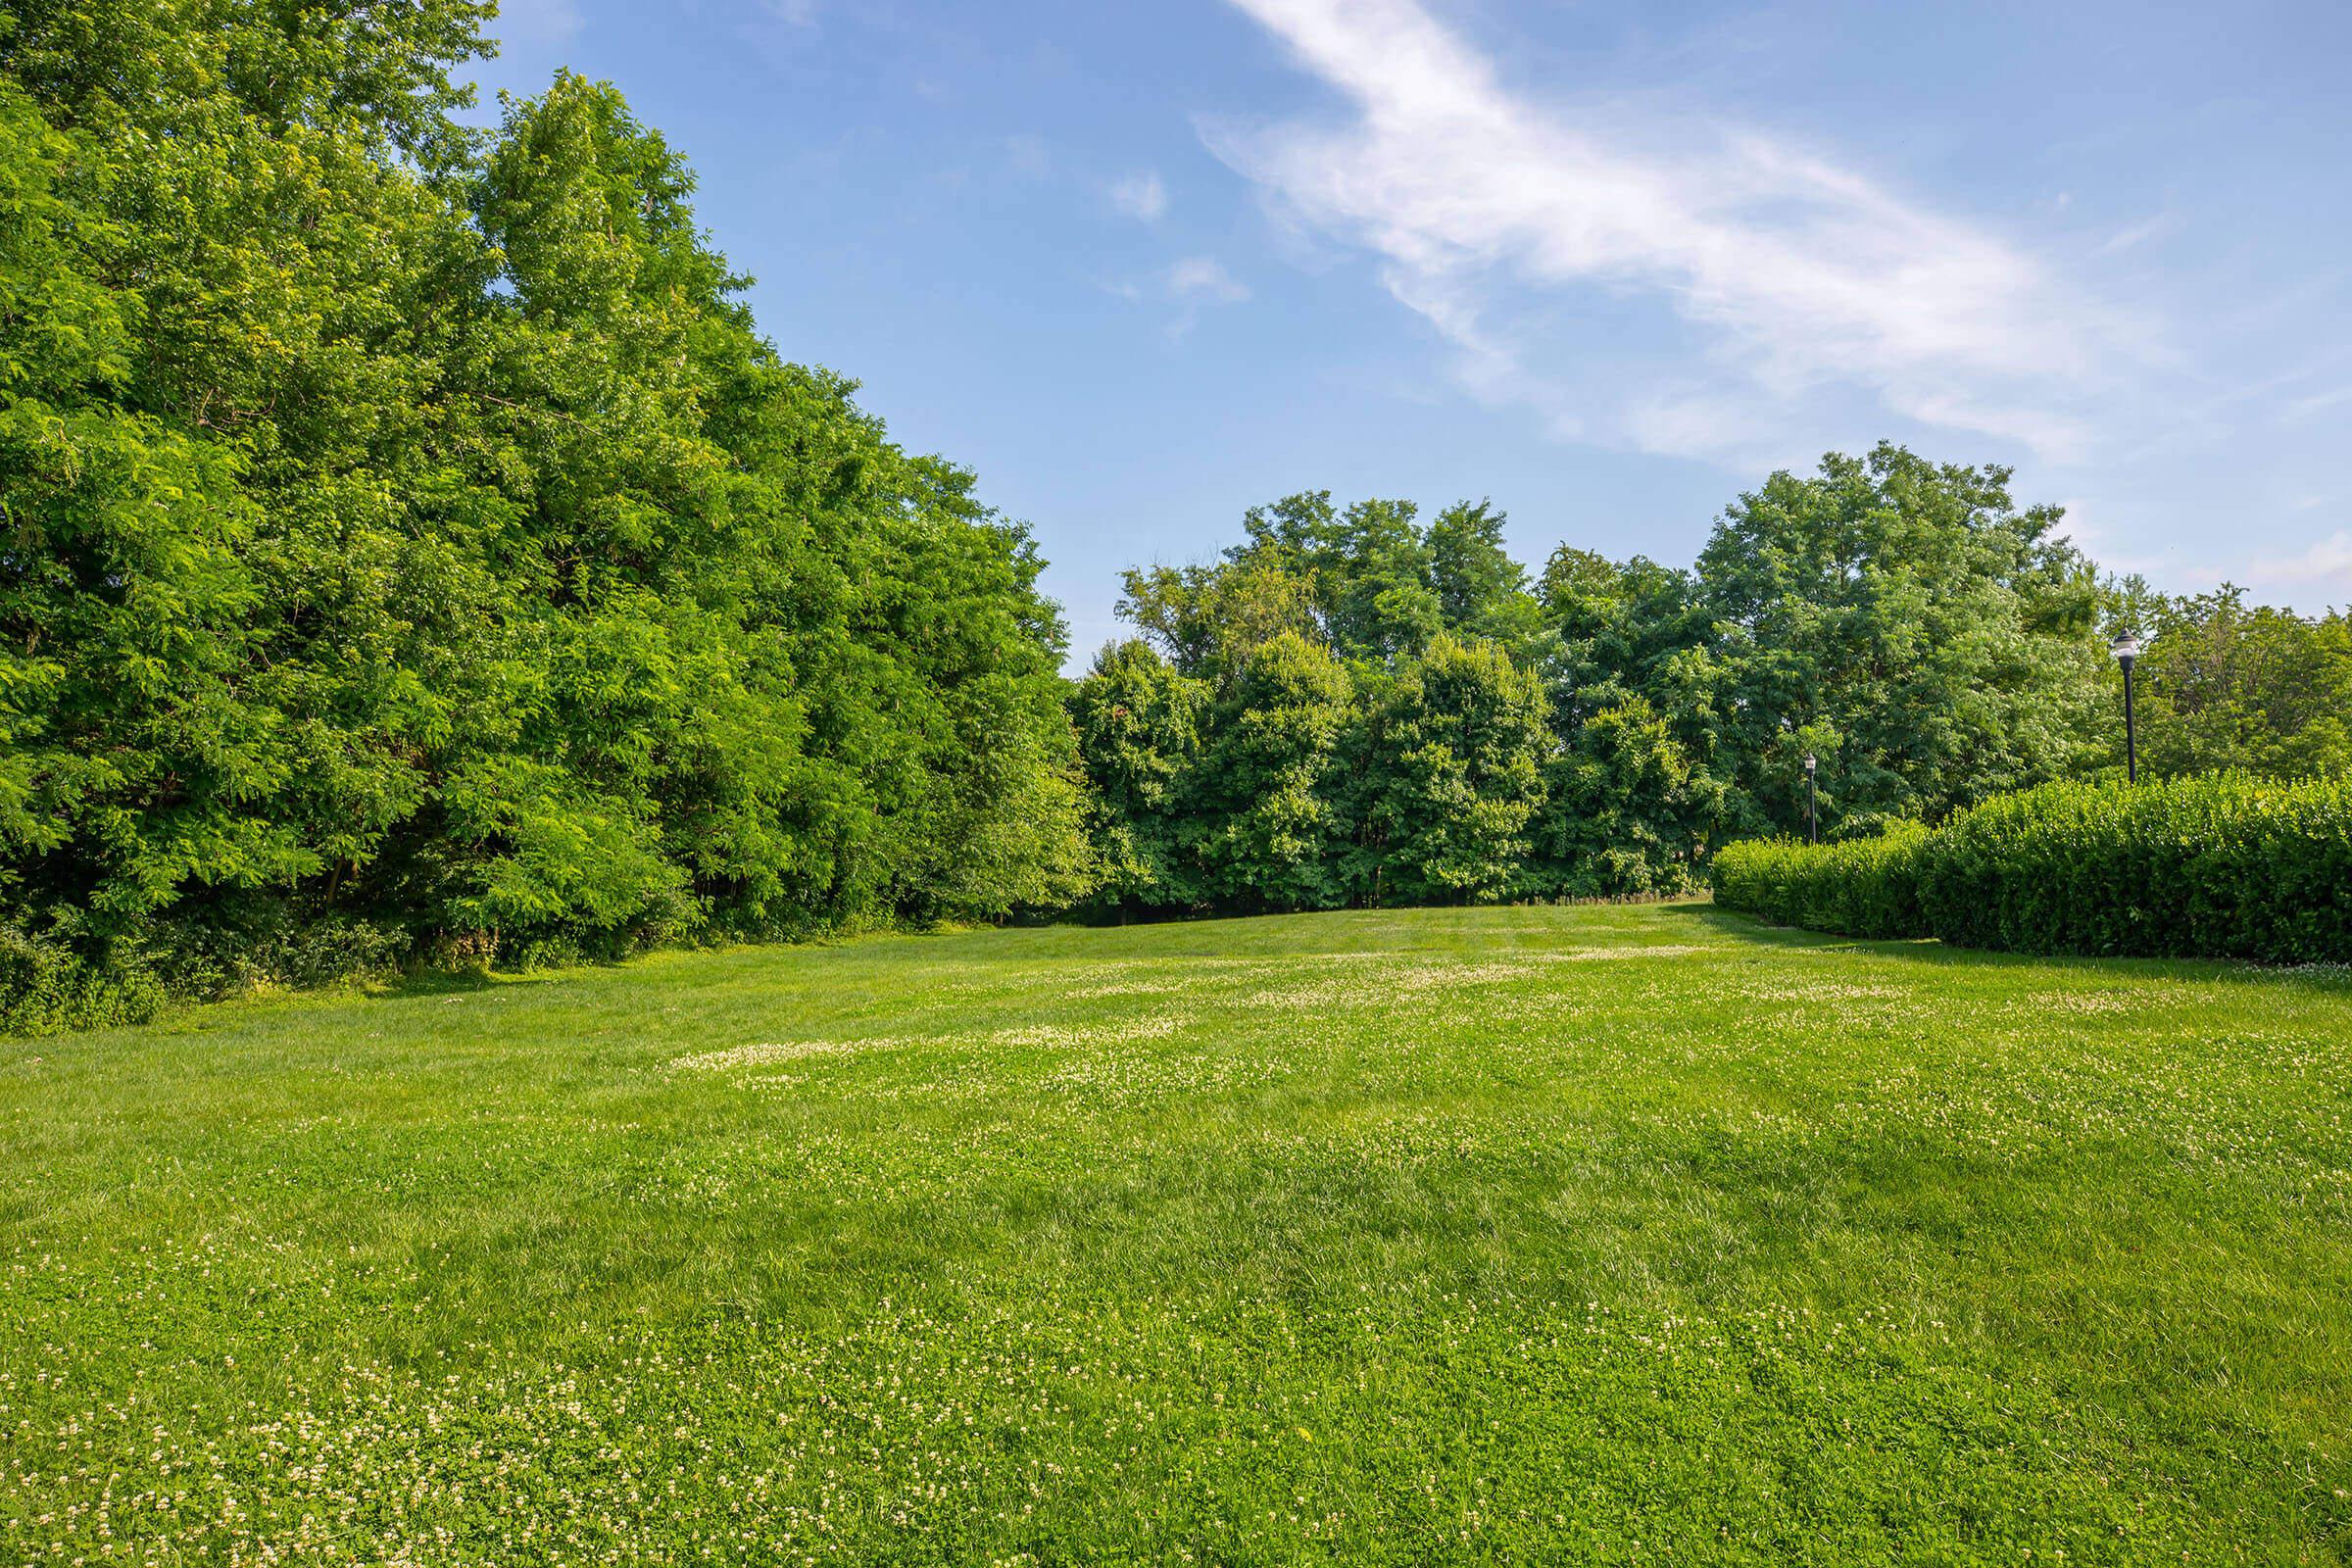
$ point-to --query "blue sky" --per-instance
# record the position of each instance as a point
(1142, 264)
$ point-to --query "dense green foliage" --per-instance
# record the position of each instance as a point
(412, 551)
(1139, 724)
(411, 547)
(1328, 715)
(2226, 866)
(2223, 866)
(1446, 768)
(1508, 1236)
(1861, 887)
(1630, 668)
(1261, 799)
(2223, 685)
(1906, 622)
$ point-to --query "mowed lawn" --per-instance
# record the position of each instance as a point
(1526, 1235)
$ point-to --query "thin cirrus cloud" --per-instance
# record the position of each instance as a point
(1195, 281)
(1189, 284)
(1140, 196)
(1205, 277)
(1789, 282)
(2327, 563)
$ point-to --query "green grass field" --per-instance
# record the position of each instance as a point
(1525, 1235)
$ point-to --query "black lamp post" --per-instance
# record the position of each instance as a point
(1812, 811)
(2126, 652)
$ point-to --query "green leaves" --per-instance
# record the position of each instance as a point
(2222, 866)
(1305, 785)
(1451, 778)
(1140, 725)
(2221, 684)
(2227, 866)
(549, 851)
(1861, 887)
(1915, 614)
(407, 532)
(1629, 813)
(1262, 794)
(1904, 623)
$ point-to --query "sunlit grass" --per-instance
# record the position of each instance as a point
(1516, 1235)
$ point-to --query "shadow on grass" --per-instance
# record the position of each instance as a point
(1928, 950)
(1752, 928)
(452, 983)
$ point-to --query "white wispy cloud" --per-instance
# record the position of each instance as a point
(1190, 285)
(2133, 235)
(1140, 196)
(1793, 277)
(2304, 407)
(2326, 565)
(1205, 277)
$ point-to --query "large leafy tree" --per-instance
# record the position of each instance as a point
(1627, 811)
(1449, 776)
(1262, 799)
(821, 665)
(1905, 621)
(1481, 591)
(1368, 568)
(245, 222)
(1210, 620)
(1367, 581)
(1140, 723)
(2223, 684)
(1631, 676)
(1379, 601)
(407, 529)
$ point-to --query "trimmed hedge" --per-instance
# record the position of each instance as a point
(1858, 887)
(2228, 866)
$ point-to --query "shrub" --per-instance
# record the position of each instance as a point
(1858, 887)
(47, 988)
(61, 979)
(2228, 866)
(257, 944)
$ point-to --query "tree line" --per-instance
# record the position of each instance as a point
(410, 545)
(1352, 707)
(411, 548)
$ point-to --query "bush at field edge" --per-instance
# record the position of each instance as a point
(2227, 866)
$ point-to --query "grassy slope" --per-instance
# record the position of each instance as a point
(1504, 1235)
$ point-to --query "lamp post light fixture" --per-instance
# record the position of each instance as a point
(2125, 649)
(1812, 808)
